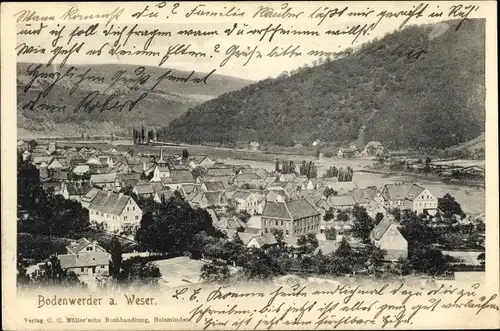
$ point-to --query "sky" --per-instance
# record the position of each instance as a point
(216, 47)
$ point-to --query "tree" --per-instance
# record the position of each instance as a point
(278, 235)
(214, 272)
(307, 243)
(363, 224)
(330, 234)
(427, 259)
(482, 258)
(329, 215)
(116, 257)
(277, 166)
(342, 216)
(199, 171)
(449, 206)
(175, 225)
(329, 192)
(53, 275)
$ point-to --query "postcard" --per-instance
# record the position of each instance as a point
(303, 165)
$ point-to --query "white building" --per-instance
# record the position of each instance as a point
(117, 211)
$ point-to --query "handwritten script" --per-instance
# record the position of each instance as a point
(332, 306)
(212, 39)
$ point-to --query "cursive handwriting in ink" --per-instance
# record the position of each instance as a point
(89, 103)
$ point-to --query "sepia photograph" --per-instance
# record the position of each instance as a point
(293, 144)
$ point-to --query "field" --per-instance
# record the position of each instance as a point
(179, 271)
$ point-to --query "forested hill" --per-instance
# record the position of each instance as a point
(169, 100)
(435, 100)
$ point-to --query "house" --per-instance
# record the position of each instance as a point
(254, 145)
(213, 186)
(347, 152)
(375, 208)
(187, 189)
(364, 197)
(295, 217)
(271, 196)
(245, 178)
(118, 212)
(57, 188)
(128, 179)
(340, 202)
(162, 195)
(200, 161)
(107, 160)
(263, 241)
(410, 196)
(207, 199)
(78, 189)
(81, 169)
(287, 177)
(160, 172)
(147, 190)
(259, 172)
(85, 257)
(178, 178)
(374, 148)
(52, 146)
(341, 188)
(220, 172)
(246, 201)
(58, 174)
(387, 237)
(109, 181)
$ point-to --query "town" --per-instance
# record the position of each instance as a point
(107, 218)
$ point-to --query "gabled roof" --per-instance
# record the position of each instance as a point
(401, 191)
(246, 178)
(340, 200)
(265, 240)
(216, 172)
(59, 174)
(189, 188)
(83, 260)
(103, 178)
(144, 189)
(78, 188)
(364, 196)
(109, 202)
(178, 177)
(379, 231)
(216, 198)
(77, 246)
(241, 195)
(214, 186)
(296, 209)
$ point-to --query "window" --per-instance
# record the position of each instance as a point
(128, 209)
(102, 267)
(287, 232)
(124, 218)
(276, 222)
(136, 217)
(89, 248)
(133, 208)
(265, 230)
(282, 223)
(82, 269)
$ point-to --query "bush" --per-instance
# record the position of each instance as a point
(40, 247)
